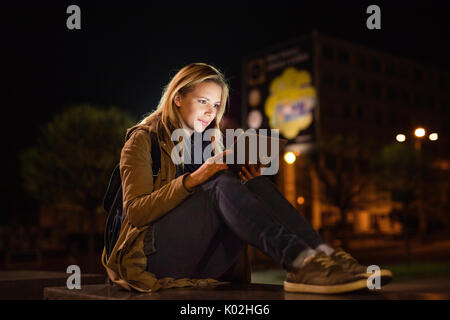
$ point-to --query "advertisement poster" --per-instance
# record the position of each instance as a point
(280, 92)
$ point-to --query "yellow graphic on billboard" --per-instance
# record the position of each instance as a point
(291, 102)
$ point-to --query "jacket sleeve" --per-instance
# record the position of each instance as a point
(141, 203)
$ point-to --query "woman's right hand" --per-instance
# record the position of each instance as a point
(206, 170)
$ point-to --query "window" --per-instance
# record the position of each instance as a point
(418, 99)
(391, 94)
(327, 52)
(347, 164)
(361, 87)
(344, 84)
(361, 62)
(418, 75)
(443, 82)
(405, 97)
(379, 117)
(330, 162)
(344, 57)
(363, 165)
(376, 91)
(375, 65)
(394, 119)
(431, 101)
(390, 69)
(346, 111)
(402, 72)
(359, 112)
(331, 110)
(328, 79)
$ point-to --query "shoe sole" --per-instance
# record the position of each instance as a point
(385, 276)
(325, 289)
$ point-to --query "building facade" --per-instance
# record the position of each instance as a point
(348, 90)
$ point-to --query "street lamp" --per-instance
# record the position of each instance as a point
(290, 157)
(400, 137)
(419, 133)
(433, 136)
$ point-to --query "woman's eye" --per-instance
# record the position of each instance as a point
(202, 101)
(216, 105)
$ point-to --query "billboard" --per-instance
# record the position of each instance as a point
(279, 90)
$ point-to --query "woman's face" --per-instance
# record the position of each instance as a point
(198, 108)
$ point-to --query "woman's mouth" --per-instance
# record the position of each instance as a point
(204, 123)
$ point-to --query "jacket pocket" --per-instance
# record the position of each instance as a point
(149, 240)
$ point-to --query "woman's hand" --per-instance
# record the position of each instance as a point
(249, 171)
(206, 170)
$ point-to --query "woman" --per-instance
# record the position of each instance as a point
(191, 224)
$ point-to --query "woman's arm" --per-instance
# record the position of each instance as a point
(206, 170)
(141, 203)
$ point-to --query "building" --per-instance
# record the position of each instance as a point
(350, 90)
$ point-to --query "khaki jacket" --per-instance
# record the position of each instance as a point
(144, 201)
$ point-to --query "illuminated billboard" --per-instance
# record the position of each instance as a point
(279, 90)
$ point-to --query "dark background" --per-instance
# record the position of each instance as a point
(126, 51)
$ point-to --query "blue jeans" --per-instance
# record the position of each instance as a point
(204, 235)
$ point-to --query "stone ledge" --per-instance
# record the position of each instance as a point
(220, 292)
(30, 284)
(420, 289)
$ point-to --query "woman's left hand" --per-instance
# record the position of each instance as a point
(249, 171)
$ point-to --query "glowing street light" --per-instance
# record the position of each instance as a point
(419, 132)
(289, 157)
(400, 137)
(433, 136)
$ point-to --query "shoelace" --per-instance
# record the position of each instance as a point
(345, 255)
(326, 261)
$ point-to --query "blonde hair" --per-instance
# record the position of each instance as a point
(167, 118)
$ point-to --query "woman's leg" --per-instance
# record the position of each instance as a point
(252, 220)
(192, 241)
(283, 211)
(190, 238)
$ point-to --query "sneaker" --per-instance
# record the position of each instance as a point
(350, 264)
(321, 274)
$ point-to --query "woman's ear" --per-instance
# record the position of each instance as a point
(177, 100)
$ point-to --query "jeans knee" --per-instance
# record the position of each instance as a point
(222, 181)
(226, 177)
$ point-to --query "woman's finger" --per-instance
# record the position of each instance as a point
(246, 172)
(257, 169)
(241, 175)
(253, 169)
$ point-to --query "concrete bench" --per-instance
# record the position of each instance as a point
(218, 292)
(419, 289)
(30, 284)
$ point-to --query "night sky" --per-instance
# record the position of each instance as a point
(126, 51)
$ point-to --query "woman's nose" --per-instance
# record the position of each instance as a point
(209, 108)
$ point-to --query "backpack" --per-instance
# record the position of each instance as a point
(113, 201)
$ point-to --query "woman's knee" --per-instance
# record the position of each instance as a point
(225, 178)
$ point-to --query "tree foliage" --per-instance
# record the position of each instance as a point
(74, 156)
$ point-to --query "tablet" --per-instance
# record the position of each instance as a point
(253, 148)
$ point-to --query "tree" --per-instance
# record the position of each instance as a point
(340, 165)
(73, 158)
(412, 180)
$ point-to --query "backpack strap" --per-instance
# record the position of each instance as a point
(156, 154)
